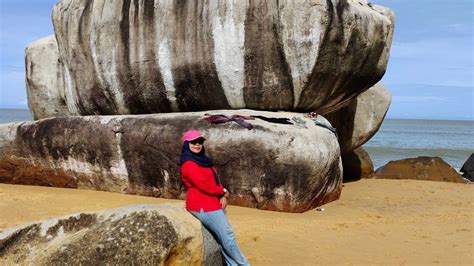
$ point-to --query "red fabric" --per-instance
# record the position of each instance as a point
(202, 189)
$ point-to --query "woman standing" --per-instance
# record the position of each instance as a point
(206, 197)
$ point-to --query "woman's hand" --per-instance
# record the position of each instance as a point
(223, 201)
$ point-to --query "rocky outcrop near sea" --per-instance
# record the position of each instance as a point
(120, 81)
(420, 168)
(143, 234)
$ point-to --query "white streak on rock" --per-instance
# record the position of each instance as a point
(228, 30)
(106, 26)
(115, 83)
(300, 33)
(164, 61)
(119, 168)
(7, 133)
(46, 225)
(165, 52)
(166, 176)
(70, 99)
(77, 166)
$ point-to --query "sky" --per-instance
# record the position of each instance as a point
(430, 70)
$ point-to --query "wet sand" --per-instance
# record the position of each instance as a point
(401, 222)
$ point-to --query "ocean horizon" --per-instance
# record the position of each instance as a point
(397, 138)
(452, 140)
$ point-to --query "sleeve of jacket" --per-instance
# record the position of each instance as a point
(193, 174)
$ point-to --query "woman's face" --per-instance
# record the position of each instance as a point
(195, 146)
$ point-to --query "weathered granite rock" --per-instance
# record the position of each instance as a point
(362, 118)
(140, 234)
(44, 79)
(420, 168)
(468, 168)
(357, 165)
(273, 166)
(135, 57)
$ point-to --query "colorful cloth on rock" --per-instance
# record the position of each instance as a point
(239, 119)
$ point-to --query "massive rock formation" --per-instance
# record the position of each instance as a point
(273, 166)
(420, 168)
(134, 57)
(158, 56)
(140, 234)
(44, 79)
(358, 122)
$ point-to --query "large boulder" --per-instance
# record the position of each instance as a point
(420, 168)
(280, 167)
(135, 57)
(140, 234)
(44, 79)
(358, 122)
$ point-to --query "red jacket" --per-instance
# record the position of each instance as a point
(202, 189)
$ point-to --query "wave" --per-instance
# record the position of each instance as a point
(382, 155)
(420, 151)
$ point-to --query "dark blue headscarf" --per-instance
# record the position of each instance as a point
(199, 158)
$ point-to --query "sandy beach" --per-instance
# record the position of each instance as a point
(399, 222)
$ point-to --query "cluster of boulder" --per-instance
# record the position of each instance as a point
(120, 81)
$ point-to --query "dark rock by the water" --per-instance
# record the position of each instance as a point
(468, 168)
(133, 235)
(273, 166)
(357, 165)
(420, 168)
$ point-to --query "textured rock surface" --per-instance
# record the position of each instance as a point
(420, 168)
(357, 165)
(138, 234)
(362, 118)
(44, 79)
(273, 166)
(468, 168)
(132, 57)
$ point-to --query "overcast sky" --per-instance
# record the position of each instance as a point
(430, 71)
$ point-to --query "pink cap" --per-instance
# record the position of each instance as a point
(191, 135)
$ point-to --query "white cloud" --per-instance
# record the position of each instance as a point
(435, 49)
(23, 102)
(419, 99)
(459, 28)
(16, 75)
(441, 61)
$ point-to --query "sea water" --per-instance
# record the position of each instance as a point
(452, 140)
(14, 115)
(396, 139)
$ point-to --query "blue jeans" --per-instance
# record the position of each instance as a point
(216, 222)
